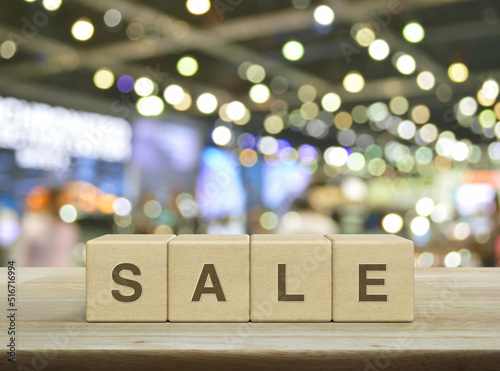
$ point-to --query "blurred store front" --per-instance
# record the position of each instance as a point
(283, 116)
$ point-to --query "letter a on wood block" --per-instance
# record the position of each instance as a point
(372, 278)
(127, 278)
(291, 278)
(208, 278)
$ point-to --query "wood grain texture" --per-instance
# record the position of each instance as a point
(457, 326)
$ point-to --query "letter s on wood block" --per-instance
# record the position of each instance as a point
(126, 278)
(126, 282)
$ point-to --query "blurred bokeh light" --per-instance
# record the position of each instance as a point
(293, 116)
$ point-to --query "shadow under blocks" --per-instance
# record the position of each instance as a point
(258, 278)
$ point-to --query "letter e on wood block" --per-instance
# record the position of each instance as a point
(127, 278)
(208, 278)
(291, 278)
(372, 278)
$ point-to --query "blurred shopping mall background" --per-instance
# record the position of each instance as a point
(249, 116)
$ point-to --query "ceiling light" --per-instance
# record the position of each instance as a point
(259, 93)
(150, 106)
(458, 72)
(198, 7)
(426, 80)
(112, 18)
(413, 32)
(173, 94)
(293, 50)
(331, 102)
(206, 103)
(144, 87)
(52, 5)
(406, 64)
(353, 82)
(8, 49)
(379, 50)
(324, 15)
(187, 66)
(221, 135)
(235, 110)
(104, 78)
(82, 30)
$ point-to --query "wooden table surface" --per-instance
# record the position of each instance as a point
(457, 327)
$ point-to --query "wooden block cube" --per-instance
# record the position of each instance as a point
(290, 278)
(372, 278)
(127, 278)
(208, 278)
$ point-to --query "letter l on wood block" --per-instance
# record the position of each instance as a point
(127, 278)
(290, 278)
(372, 278)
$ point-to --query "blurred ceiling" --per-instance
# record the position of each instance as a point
(51, 66)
